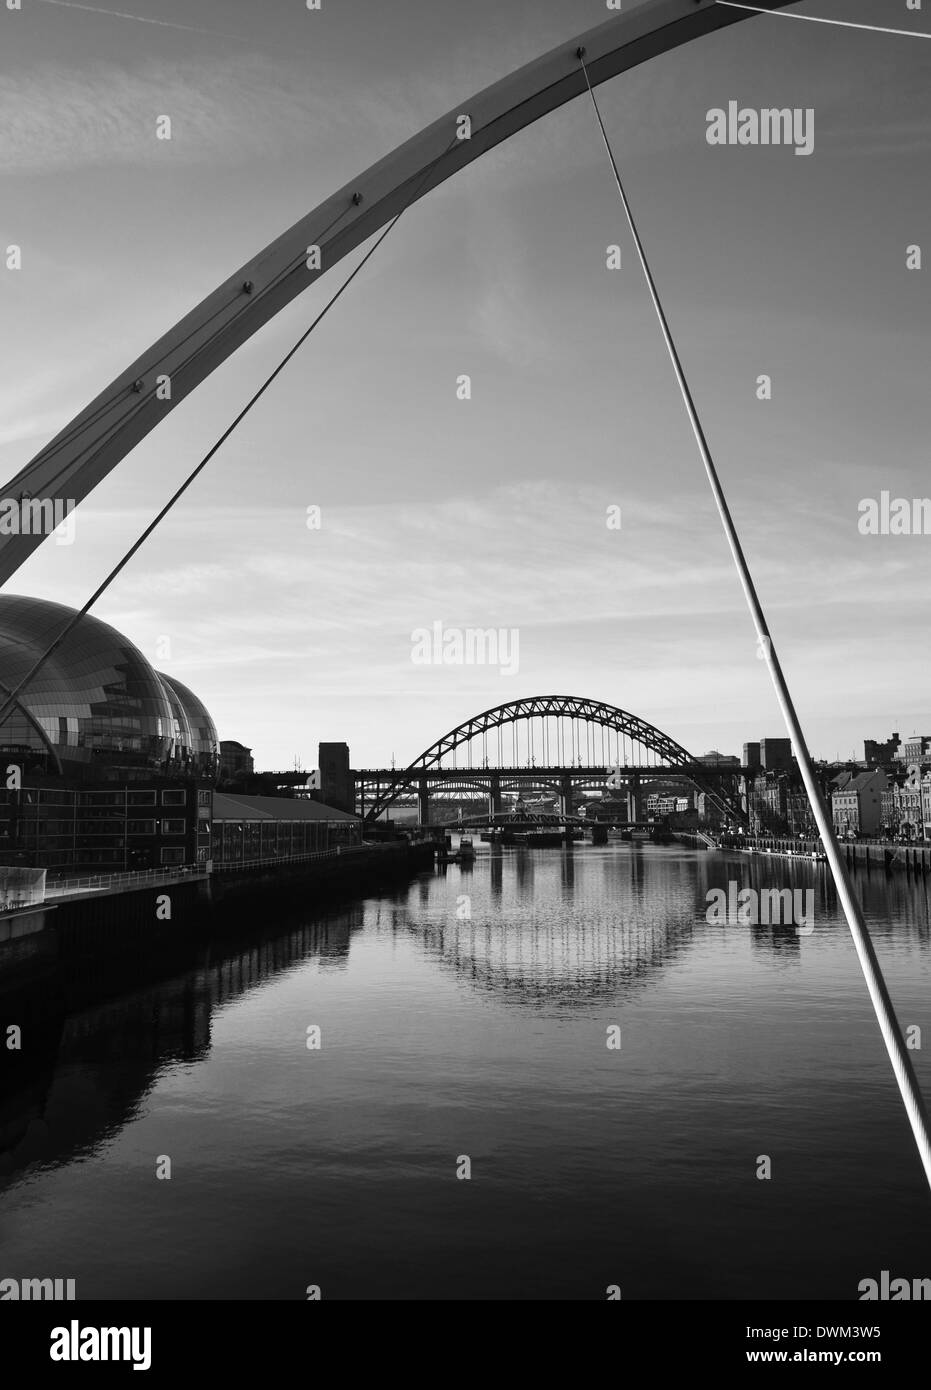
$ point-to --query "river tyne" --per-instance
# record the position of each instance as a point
(546, 1076)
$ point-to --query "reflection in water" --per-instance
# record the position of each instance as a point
(496, 876)
(468, 1014)
(79, 1079)
(545, 938)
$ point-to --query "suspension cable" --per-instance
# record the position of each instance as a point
(90, 451)
(866, 952)
(817, 19)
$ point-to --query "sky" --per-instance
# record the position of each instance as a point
(492, 512)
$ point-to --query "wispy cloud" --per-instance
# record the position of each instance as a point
(230, 109)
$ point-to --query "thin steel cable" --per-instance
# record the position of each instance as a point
(72, 623)
(818, 19)
(872, 973)
(90, 451)
(73, 432)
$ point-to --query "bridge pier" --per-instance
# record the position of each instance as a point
(423, 801)
(565, 794)
(634, 799)
(494, 795)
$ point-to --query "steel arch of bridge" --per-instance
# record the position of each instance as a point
(529, 783)
(463, 784)
(95, 441)
(537, 707)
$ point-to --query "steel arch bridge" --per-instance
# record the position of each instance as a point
(670, 757)
(88, 448)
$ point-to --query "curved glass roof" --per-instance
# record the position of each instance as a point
(97, 701)
(203, 740)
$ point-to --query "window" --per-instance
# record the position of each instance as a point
(174, 798)
(110, 828)
(109, 857)
(172, 856)
(142, 798)
(174, 827)
(56, 798)
(204, 797)
(140, 827)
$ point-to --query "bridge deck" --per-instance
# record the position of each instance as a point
(440, 774)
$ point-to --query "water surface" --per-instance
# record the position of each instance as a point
(468, 1017)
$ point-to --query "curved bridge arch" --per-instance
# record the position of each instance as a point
(528, 783)
(537, 706)
(97, 439)
(594, 784)
(463, 784)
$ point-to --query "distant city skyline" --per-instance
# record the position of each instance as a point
(491, 512)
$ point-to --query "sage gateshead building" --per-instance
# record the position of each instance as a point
(107, 761)
(96, 709)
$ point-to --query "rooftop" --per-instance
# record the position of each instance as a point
(238, 808)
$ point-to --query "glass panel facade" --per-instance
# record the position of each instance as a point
(201, 755)
(60, 828)
(245, 841)
(96, 708)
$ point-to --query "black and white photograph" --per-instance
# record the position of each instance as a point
(465, 706)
